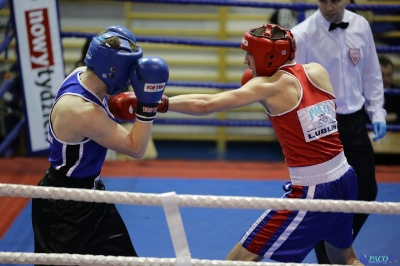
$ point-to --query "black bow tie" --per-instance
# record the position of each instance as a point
(342, 25)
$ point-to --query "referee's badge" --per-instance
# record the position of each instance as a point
(355, 55)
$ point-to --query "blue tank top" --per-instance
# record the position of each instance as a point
(81, 159)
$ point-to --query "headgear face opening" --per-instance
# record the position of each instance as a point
(269, 52)
(113, 65)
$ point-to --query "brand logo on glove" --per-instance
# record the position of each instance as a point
(150, 110)
(245, 42)
(154, 87)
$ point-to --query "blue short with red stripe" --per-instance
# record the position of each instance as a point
(288, 236)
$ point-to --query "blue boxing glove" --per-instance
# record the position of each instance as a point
(379, 130)
(148, 78)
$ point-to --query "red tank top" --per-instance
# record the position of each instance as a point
(308, 132)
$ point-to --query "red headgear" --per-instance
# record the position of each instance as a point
(269, 53)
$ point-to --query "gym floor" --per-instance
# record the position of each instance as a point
(252, 170)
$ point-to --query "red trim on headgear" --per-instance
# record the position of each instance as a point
(269, 53)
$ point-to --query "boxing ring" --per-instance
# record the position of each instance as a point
(171, 202)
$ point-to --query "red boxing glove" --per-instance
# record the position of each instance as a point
(123, 106)
(247, 75)
(162, 106)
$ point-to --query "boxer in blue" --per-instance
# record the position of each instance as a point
(81, 129)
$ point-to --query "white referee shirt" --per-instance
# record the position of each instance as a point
(350, 58)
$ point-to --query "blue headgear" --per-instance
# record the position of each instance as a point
(111, 65)
(123, 31)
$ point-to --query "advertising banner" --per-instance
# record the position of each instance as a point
(41, 62)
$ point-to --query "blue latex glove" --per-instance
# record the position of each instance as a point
(379, 130)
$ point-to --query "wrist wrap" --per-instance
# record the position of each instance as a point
(146, 112)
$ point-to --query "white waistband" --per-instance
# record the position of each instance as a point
(320, 173)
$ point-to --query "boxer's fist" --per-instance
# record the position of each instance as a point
(148, 78)
(162, 106)
(123, 106)
(247, 75)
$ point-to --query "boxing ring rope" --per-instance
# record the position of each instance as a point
(295, 6)
(226, 86)
(231, 44)
(213, 43)
(151, 199)
(187, 200)
(3, 3)
(76, 259)
(7, 85)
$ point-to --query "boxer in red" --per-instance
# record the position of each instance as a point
(301, 106)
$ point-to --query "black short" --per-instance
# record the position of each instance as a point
(77, 227)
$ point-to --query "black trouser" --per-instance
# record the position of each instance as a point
(360, 154)
(75, 227)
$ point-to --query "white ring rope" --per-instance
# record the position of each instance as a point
(200, 201)
(76, 259)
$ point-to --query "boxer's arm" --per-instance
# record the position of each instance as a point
(148, 82)
(264, 90)
(204, 104)
(75, 119)
(114, 136)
